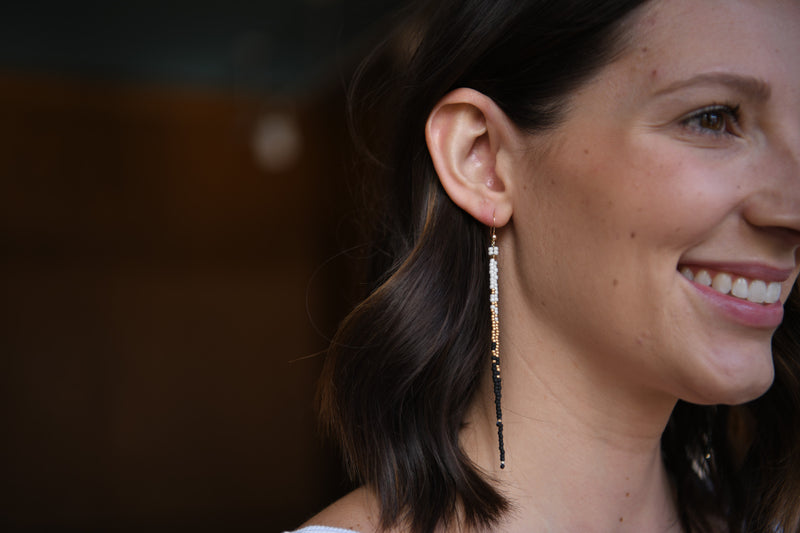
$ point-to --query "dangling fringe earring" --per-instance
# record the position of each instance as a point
(493, 304)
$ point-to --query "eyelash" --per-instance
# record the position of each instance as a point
(729, 114)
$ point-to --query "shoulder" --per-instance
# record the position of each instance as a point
(357, 511)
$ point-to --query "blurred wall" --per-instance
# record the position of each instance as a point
(170, 271)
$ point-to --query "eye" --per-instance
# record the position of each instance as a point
(718, 119)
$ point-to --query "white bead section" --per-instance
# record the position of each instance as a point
(493, 292)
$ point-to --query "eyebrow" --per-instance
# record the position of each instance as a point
(755, 88)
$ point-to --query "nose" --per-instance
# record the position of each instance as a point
(775, 204)
(776, 210)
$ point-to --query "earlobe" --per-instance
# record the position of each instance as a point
(467, 134)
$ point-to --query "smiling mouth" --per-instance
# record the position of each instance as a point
(753, 290)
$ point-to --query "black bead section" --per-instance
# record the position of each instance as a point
(497, 385)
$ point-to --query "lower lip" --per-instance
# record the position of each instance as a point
(747, 313)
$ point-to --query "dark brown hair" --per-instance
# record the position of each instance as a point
(406, 363)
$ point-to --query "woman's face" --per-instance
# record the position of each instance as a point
(680, 160)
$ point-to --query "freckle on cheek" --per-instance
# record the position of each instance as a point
(654, 73)
(615, 282)
(633, 235)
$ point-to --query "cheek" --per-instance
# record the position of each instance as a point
(652, 189)
(608, 223)
(594, 241)
(614, 196)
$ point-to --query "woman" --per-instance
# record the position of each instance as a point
(637, 368)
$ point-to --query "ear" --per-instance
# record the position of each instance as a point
(471, 142)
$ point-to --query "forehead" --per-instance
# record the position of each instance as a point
(680, 37)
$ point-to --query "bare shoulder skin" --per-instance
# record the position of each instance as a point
(357, 511)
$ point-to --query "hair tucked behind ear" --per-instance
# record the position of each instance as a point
(407, 362)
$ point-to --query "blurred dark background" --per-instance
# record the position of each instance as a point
(175, 198)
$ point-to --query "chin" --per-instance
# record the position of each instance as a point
(733, 378)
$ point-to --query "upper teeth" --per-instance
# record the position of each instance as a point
(757, 291)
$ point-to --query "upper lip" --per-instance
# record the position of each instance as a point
(746, 270)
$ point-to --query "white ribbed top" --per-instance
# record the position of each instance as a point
(322, 529)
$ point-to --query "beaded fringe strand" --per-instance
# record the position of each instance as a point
(493, 304)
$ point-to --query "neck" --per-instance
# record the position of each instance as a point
(582, 454)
